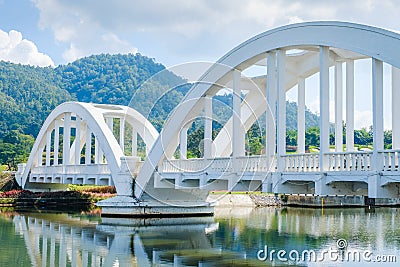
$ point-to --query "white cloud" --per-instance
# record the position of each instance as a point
(179, 30)
(73, 23)
(194, 27)
(362, 119)
(15, 49)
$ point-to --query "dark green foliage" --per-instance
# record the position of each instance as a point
(255, 140)
(291, 138)
(312, 120)
(388, 139)
(15, 148)
(27, 95)
(363, 137)
(312, 136)
(103, 189)
(195, 143)
(113, 79)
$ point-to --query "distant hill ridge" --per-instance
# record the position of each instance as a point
(28, 94)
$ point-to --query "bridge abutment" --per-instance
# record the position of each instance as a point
(383, 186)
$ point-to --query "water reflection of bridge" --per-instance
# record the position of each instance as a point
(369, 227)
(61, 240)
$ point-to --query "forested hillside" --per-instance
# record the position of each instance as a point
(28, 94)
(115, 79)
(111, 79)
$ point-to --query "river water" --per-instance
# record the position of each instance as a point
(233, 237)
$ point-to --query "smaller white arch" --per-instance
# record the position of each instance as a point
(94, 117)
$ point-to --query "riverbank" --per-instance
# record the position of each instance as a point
(85, 197)
(244, 199)
(75, 199)
(257, 199)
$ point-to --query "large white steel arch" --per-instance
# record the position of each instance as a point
(355, 40)
(90, 119)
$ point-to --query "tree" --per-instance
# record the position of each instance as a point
(312, 136)
(387, 135)
(362, 137)
(255, 139)
(15, 148)
(291, 138)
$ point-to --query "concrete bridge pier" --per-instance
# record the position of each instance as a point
(380, 186)
(159, 202)
(292, 184)
(334, 185)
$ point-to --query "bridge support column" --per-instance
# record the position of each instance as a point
(48, 147)
(301, 117)
(377, 112)
(122, 134)
(88, 148)
(110, 123)
(321, 188)
(271, 94)
(97, 152)
(377, 190)
(338, 107)
(395, 108)
(78, 140)
(266, 185)
(281, 105)
(238, 132)
(207, 127)
(324, 106)
(183, 143)
(56, 141)
(66, 139)
(350, 105)
(281, 183)
(134, 142)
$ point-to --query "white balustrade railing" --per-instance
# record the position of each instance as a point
(308, 162)
(72, 169)
(350, 161)
(389, 160)
(240, 164)
(386, 160)
(184, 165)
(220, 165)
(252, 164)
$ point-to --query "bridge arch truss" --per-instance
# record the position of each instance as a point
(290, 55)
(80, 144)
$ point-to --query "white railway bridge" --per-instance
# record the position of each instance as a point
(290, 55)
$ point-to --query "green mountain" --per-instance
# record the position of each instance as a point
(28, 94)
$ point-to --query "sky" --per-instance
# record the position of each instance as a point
(54, 32)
